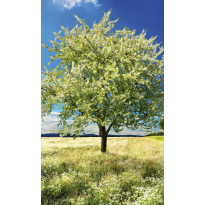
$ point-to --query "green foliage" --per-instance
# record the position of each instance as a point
(156, 134)
(89, 177)
(161, 123)
(112, 79)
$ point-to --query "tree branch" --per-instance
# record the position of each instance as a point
(109, 127)
(73, 104)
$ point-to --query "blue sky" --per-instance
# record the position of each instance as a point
(134, 14)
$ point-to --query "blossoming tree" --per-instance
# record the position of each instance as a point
(112, 79)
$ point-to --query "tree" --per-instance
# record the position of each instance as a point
(161, 123)
(112, 79)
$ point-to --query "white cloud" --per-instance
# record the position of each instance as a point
(92, 1)
(55, 113)
(127, 131)
(51, 121)
(69, 4)
(91, 129)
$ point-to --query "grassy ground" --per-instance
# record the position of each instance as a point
(76, 172)
(161, 138)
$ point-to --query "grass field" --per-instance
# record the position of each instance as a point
(76, 172)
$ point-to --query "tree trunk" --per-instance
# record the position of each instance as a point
(103, 135)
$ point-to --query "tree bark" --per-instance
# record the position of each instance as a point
(103, 135)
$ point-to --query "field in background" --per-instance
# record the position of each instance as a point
(76, 172)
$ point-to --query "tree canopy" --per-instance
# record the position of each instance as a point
(113, 79)
(161, 123)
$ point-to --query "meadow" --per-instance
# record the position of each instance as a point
(74, 171)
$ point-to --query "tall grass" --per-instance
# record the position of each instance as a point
(76, 172)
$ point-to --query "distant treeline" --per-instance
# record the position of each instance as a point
(88, 135)
(156, 134)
